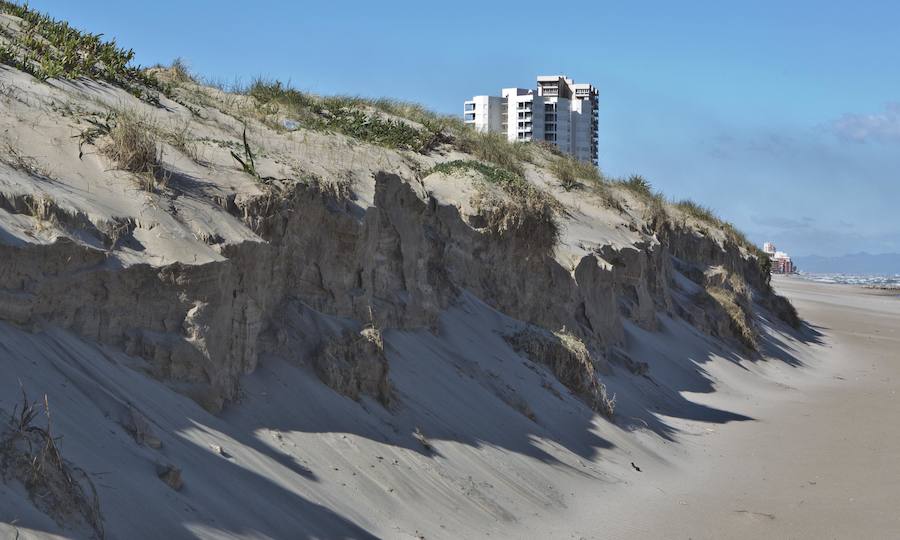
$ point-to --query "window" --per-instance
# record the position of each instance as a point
(469, 117)
(549, 127)
(550, 117)
(470, 106)
(550, 107)
(550, 136)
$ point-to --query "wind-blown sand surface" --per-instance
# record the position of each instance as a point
(821, 459)
(804, 447)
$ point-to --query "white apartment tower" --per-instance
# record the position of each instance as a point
(557, 111)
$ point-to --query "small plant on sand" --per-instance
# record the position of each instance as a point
(638, 185)
(30, 455)
(97, 127)
(14, 158)
(247, 163)
(132, 146)
(180, 71)
(605, 404)
(570, 170)
(493, 148)
(180, 138)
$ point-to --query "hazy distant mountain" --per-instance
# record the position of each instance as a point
(855, 263)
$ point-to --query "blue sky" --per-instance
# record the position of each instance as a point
(782, 116)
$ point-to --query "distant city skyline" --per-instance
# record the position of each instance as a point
(784, 117)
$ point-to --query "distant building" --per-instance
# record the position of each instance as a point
(781, 261)
(558, 111)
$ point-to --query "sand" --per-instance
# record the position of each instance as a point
(821, 457)
(803, 445)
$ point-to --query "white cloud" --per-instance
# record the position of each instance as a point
(881, 126)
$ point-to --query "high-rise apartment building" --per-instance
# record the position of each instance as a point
(558, 111)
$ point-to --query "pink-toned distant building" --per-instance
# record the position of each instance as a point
(781, 261)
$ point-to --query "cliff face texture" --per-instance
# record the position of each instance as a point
(265, 273)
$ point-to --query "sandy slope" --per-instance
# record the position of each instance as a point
(814, 460)
(821, 458)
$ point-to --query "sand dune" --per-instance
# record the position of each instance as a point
(368, 325)
(798, 446)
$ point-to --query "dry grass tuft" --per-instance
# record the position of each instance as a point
(731, 294)
(14, 158)
(570, 361)
(181, 72)
(526, 213)
(493, 148)
(29, 454)
(340, 189)
(180, 137)
(133, 147)
(570, 170)
(530, 218)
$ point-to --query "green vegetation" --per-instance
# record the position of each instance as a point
(494, 175)
(494, 148)
(355, 117)
(133, 147)
(180, 71)
(528, 213)
(248, 164)
(706, 215)
(638, 185)
(735, 304)
(510, 182)
(51, 49)
(698, 211)
(570, 170)
(389, 123)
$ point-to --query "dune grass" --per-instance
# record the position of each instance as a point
(387, 122)
(569, 171)
(732, 233)
(355, 117)
(528, 212)
(51, 49)
(131, 144)
(494, 148)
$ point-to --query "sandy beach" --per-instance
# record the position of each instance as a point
(821, 457)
